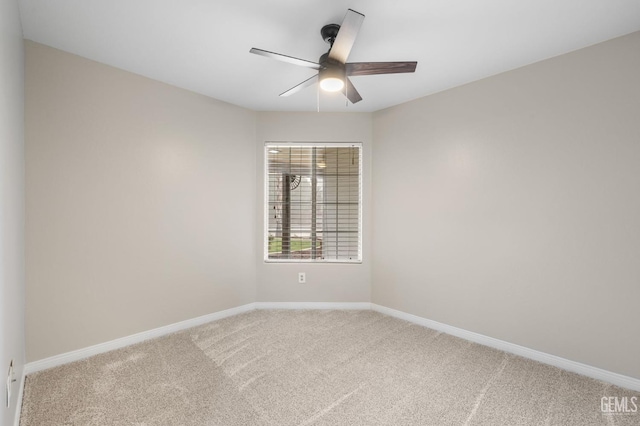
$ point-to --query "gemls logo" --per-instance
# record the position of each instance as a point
(619, 405)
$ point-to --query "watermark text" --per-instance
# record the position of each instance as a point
(619, 405)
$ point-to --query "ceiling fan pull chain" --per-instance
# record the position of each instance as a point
(318, 98)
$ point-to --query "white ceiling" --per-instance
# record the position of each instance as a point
(203, 45)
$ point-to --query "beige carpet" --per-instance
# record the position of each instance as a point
(285, 368)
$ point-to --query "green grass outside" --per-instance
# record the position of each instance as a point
(275, 245)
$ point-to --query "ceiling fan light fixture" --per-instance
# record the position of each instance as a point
(331, 84)
(332, 79)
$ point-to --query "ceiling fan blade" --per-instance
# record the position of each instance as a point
(285, 58)
(350, 92)
(346, 36)
(371, 68)
(308, 82)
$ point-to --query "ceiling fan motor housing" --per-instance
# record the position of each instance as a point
(325, 61)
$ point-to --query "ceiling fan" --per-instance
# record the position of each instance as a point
(333, 69)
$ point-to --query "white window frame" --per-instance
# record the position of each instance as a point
(265, 204)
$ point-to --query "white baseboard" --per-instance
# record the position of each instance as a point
(565, 364)
(545, 358)
(356, 306)
(16, 421)
(79, 354)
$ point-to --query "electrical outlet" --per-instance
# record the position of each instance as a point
(10, 380)
(302, 277)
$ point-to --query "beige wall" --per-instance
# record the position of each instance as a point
(326, 282)
(507, 206)
(140, 203)
(11, 201)
(511, 206)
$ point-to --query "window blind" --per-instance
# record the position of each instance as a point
(313, 202)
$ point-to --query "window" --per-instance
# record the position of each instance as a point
(313, 202)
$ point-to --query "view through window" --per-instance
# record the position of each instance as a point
(313, 202)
